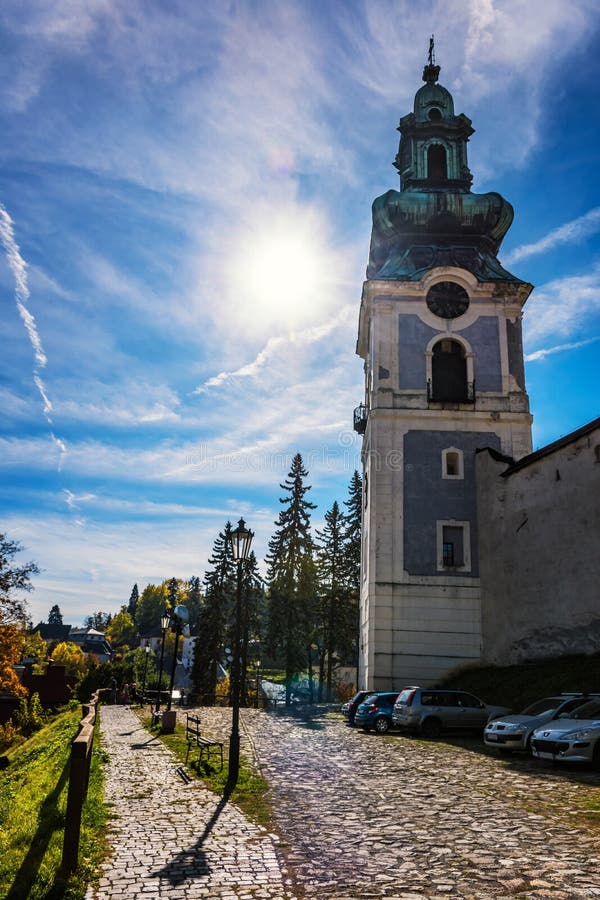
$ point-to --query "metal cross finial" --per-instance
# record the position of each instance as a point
(431, 50)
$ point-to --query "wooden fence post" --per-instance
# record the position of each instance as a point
(81, 758)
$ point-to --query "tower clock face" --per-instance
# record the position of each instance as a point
(447, 299)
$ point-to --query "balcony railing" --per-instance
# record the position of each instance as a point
(439, 395)
(361, 414)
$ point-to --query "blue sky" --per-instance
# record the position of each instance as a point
(186, 192)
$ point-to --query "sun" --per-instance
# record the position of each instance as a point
(280, 275)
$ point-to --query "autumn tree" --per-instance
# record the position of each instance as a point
(13, 578)
(55, 615)
(121, 630)
(71, 656)
(11, 647)
(291, 576)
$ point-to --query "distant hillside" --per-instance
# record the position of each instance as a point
(517, 686)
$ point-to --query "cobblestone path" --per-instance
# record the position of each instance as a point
(364, 815)
(172, 839)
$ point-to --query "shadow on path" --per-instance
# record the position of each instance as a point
(193, 858)
(50, 820)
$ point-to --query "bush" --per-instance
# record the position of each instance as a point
(8, 734)
(30, 715)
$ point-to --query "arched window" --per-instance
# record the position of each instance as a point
(437, 166)
(449, 373)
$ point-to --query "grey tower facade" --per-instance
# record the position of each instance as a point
(440, 336)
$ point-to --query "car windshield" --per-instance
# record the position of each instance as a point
(589, 710)
(547, 705)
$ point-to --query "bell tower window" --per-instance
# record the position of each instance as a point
(449, 373)
(437, 166)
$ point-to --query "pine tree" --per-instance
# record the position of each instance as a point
(333, 591)
(55, 615)
(214, 617)
(133, 600)
(252, 613)
(291, 576)
(352, 552)
(194, 602)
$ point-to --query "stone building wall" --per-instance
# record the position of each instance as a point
(539, 550)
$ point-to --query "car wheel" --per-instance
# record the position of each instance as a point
(382, 724)
(596, 756)
(431, 729)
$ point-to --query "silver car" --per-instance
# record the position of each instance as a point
(430, 711)
(574, 738)
(509, 733)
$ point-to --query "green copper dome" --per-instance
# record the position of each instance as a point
(432, 103)
(435, 219)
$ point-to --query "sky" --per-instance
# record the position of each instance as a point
(185, 194)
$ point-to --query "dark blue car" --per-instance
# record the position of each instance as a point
(376, 711)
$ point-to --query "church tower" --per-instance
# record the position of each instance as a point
(440, 336)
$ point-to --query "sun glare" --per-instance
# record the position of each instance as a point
(279, 278)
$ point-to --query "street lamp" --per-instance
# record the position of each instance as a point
(241, 539)
(164, 624)
(146, 655)
(257, 664)
(180, 618)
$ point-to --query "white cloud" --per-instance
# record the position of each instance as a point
(569, 233)
(542, 354)
(562, 308)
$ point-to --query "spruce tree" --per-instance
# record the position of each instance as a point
(291, 576)
(55, 615)
(194, 602)
(214, 618)
(352, 552)
(333, 592)
(133, 599)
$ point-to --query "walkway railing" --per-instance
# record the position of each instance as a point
(79, 776)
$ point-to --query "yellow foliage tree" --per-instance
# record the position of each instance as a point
(11, 645)
(71, 657)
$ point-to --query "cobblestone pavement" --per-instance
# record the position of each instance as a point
(364, 815)
(171, 839)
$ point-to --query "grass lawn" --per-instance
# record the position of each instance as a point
(33, 799)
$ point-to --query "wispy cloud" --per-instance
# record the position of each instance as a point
(542, 354)
(562, 308)
(569, 233)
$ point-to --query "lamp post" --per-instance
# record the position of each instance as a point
(180, 617)
(164, 624)
(241, 539)
(257, 664)
(146, 655)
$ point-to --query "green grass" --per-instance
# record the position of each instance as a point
(518, 686)
(33, 798)
(251, 793)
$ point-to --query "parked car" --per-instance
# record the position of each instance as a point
(349, 708)
(429, 712)
(375, 711)
(508, 733)
(574, 737)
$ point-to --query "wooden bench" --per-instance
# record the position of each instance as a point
(195, 739)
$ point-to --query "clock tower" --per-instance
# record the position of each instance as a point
(440, 336)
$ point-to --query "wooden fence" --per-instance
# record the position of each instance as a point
(79, 775)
